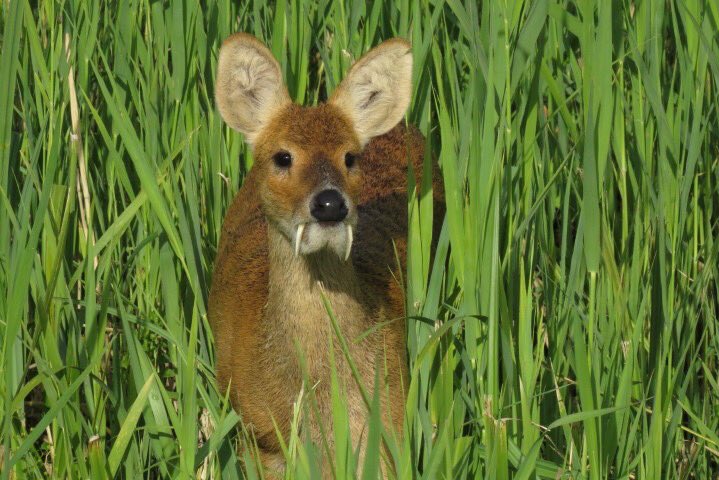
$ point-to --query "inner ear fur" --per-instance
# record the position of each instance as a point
(376, 92)
(249, 86)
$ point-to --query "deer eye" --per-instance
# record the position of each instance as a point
(282, 159)
(350, 159)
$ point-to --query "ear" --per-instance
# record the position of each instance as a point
(249, 86)
(376, 92)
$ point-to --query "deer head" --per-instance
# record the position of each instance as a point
(309, 158)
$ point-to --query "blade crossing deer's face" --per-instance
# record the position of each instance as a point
(309, 158)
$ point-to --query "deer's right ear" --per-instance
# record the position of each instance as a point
(249, 86)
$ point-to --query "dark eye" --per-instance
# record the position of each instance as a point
(350, 159)
(282, 159)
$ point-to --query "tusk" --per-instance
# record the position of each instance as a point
(349, 242)
(298, 238)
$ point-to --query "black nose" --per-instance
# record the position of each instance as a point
(329, 206)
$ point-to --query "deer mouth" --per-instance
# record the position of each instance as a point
(314, 236)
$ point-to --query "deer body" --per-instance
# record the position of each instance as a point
(319, 215)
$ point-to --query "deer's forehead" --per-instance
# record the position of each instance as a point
(311, 129)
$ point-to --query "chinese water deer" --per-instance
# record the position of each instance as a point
(321, 214)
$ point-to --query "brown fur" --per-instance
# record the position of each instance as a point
(265, 303)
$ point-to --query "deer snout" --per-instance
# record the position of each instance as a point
(329, 206)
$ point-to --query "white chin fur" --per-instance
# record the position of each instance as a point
(312, 237)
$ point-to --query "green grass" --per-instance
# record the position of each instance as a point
(567, 327)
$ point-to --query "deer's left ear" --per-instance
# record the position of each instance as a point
(376, 92)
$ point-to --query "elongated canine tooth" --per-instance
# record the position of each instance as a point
(298, 238)
(349, 241)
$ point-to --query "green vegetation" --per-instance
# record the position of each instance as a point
(567, 327)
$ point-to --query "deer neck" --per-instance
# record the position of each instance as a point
(296, 317)
(298, 283)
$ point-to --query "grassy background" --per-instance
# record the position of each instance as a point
(569, 322)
